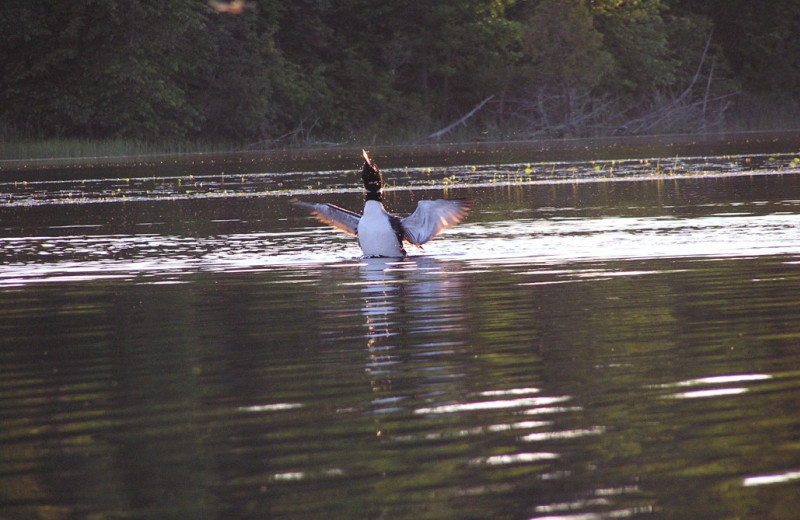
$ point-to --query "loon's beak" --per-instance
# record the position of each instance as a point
(370, 175)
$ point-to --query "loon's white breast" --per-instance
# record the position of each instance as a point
(376, 236)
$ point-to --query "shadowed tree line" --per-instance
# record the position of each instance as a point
(276, 73)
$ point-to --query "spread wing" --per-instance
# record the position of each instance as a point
(340, 218)
(433, 216)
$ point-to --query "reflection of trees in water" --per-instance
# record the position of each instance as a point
(386, 378)
(164, 468)
(115, 428)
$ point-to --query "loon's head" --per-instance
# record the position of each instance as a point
(371, 176)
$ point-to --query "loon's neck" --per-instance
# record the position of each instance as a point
(375, 195)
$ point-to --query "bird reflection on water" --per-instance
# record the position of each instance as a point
(410, 297)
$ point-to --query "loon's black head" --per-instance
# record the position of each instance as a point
(371, 176)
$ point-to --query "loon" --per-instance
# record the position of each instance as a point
(381, 234)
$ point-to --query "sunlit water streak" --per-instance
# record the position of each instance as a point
(551, 241)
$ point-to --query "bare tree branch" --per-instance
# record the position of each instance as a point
(440, 133)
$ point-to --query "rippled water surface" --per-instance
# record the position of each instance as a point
(597, 340)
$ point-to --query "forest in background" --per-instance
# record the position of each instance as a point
(276, 73)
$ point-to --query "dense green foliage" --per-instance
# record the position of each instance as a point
(305, 71)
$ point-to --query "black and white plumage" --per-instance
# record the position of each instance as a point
(381, 234)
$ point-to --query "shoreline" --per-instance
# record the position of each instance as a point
(442, 154)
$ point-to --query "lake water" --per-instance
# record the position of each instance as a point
(598, 340)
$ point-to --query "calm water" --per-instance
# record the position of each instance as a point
(597, 341)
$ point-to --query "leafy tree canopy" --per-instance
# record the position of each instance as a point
(279, 73)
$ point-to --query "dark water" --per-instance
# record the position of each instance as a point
(597, 341)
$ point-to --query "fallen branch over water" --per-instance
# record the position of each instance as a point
(440, 133)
